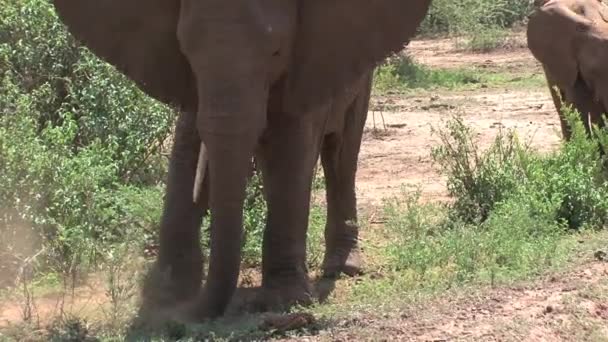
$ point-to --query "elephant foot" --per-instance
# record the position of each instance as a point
(163, 289)
(349, 263)
(281, 293)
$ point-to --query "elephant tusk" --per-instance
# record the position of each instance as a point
(201, 165)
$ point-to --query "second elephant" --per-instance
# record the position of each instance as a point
(570, 39)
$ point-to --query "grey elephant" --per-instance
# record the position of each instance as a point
(570, 39)
(283, 80)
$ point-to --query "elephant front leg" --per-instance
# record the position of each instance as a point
(177, 273)
(286, 158)
(339, 158)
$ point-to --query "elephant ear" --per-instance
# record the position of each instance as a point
(339, 40)
(139, 38)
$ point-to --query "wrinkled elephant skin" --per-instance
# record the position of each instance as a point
(285, 80)
(570, 39)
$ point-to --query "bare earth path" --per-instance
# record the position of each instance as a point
(400, 152)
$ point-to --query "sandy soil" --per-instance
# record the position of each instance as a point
(568, 306)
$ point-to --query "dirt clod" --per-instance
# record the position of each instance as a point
(283, 323)
(601, 256)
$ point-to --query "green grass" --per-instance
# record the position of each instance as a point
(401, 74)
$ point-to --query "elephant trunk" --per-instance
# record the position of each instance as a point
(201, 166)
(229, 160)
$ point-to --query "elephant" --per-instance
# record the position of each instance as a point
(570, 39)
(284, 80)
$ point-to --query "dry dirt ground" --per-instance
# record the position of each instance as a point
(568, 306)
(396, 146)
(396, 150)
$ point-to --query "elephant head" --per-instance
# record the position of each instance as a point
(213, 57)
(570, 39)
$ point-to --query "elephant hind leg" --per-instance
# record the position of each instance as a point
(339, 158)
(583, 100)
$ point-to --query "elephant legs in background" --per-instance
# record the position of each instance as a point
(177, 274)
(558, 96)
(286, 159)
(339, 158)
(582, 99)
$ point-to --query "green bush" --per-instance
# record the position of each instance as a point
(568, 185)
(478, 180)
(511, 211)
(79, 143)
(473, 16)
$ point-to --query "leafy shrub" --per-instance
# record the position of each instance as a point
(512, 208)
(473, 16)
(478, 180)
(568, 185)
(78, 141)
(486, 40)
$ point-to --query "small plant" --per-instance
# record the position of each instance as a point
(122, 278)
(478, 180)
(254, 218)
(71, 329)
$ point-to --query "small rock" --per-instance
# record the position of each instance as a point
(601, 256)
(549, 309)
